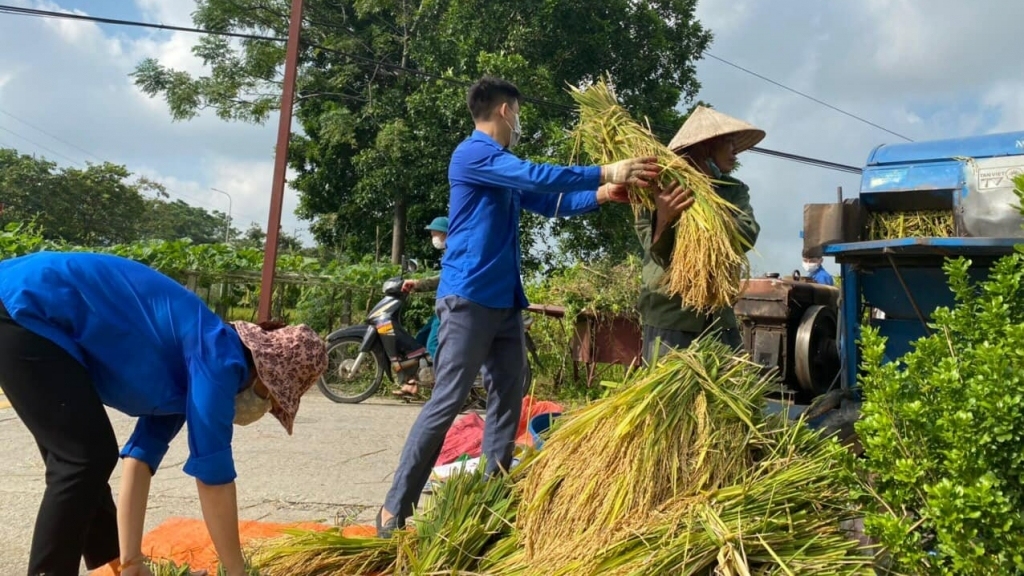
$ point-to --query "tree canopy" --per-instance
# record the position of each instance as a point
(374, 139)
(99, 205)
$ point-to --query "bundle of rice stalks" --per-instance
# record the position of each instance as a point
(467, 515)
(782, 517)
(312, 553)
(709, 260)
(681, 428)
(923, 224)
(171, 568)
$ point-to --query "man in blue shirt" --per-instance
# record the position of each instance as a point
(480, 296)
(816, 272)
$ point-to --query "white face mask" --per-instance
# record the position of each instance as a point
(811, 267)
(249, 407)
(438, 242)
(517, 132)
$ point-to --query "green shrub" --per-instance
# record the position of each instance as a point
(943, 432)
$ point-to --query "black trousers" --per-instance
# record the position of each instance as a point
(54, 396)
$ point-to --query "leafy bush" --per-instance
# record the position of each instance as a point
(943, 429)
(604, 289)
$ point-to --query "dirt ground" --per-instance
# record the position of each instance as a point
(336, 467)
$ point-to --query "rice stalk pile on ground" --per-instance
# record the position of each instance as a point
(679, 429)
(709, 260)
(918, 224)
(677, 472)
(783, 517)
(170, 568)
(466, 516)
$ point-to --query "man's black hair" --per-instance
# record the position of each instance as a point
(488, 93)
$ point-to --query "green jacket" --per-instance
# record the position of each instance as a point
(659, 310)
(428, 284)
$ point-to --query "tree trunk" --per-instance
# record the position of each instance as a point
(398, 233)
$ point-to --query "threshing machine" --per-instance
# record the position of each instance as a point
(893, 281)
(896, 281)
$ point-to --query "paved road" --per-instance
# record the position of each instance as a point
(336, 467)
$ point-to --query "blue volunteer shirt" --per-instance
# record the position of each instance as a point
(821, 276)
(154, 349)
(489, 186)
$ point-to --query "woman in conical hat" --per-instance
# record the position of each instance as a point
(711, 141)
(708, 135)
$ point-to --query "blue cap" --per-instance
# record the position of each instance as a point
(439, 224)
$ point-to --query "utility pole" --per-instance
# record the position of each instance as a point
(227, 228)
(284, 129)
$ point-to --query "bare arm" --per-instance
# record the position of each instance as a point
(131, 510)
(220, 510)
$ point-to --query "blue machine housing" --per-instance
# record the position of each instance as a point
(900, 282)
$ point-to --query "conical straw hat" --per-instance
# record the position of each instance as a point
(705, 124)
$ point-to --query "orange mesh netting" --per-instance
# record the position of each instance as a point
(186, 541)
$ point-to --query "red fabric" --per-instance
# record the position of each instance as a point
(466, 436)
(533, 408)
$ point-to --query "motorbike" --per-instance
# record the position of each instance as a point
(360, 356)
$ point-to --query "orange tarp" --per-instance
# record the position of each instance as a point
(531, 408)
(186, 541)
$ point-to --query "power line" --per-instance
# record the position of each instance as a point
(805, 95)
(38, 145)
(14, 10)
(61, 140)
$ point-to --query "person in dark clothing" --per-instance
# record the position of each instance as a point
(710, 140)
(427, 336)
(81, 331)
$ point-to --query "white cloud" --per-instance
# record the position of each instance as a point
(71, 79)
(939, 69)
(173, 51)
(247, 182)
(170, 12)
(1007, 97)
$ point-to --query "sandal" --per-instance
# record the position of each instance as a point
(404, 393)
(386, 529)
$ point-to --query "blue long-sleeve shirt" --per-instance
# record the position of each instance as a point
(489, 186)
(154, 349)
(821, 276)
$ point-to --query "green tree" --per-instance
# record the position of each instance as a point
(167, 220)
(99, 205)
(255, 237)
(94, 206)
(375, 142)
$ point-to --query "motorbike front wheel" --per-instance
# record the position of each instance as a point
(340, 383)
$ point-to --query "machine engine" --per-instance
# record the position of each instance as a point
(790, 324)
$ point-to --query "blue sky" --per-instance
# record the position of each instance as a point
(928, 70)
